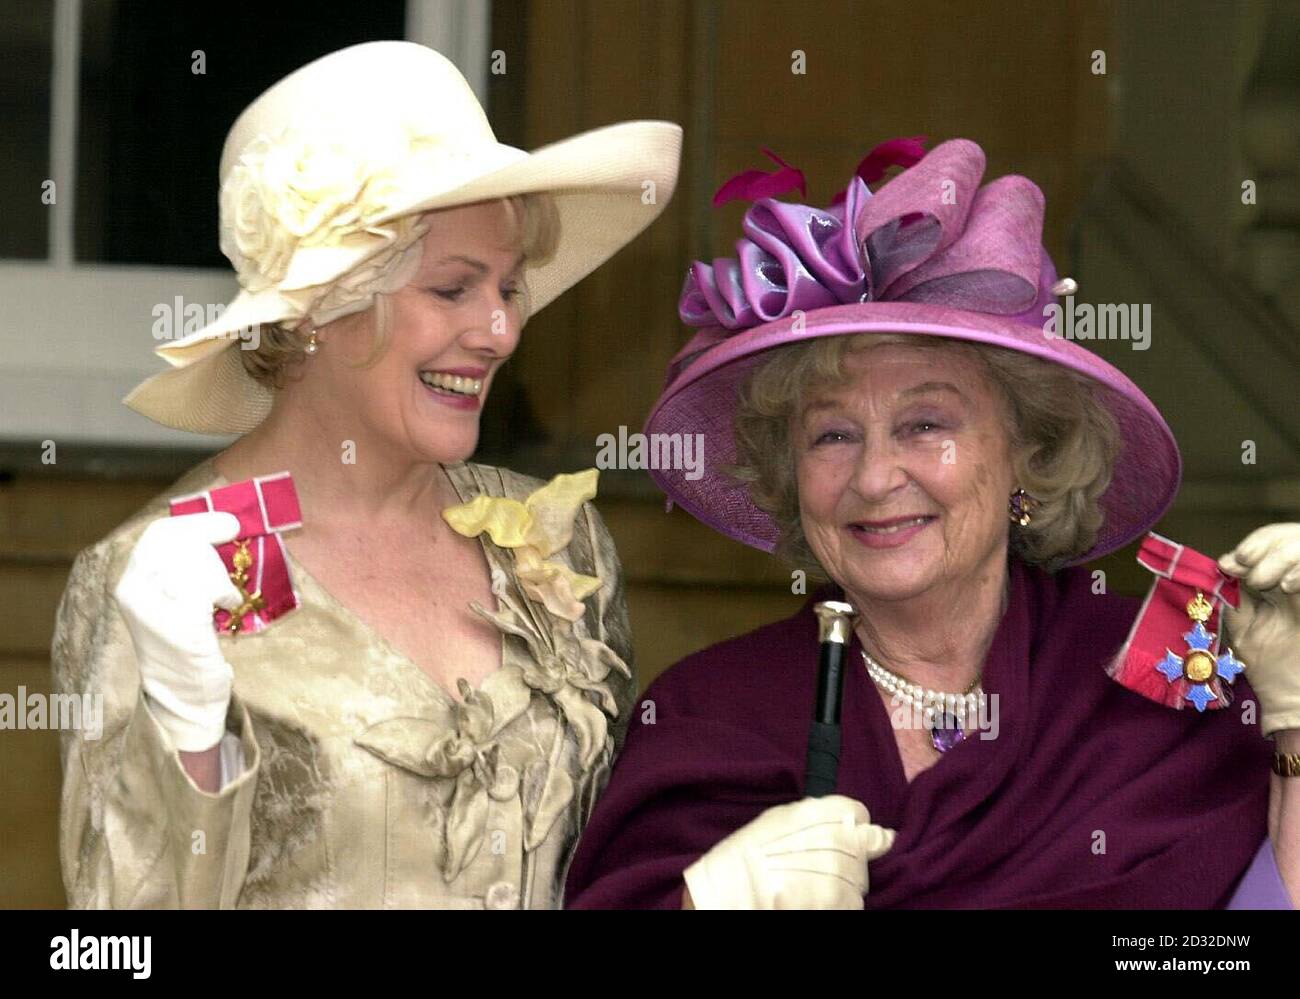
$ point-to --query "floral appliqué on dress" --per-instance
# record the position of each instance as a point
(568, 667)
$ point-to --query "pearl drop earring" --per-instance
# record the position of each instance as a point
(312, 345)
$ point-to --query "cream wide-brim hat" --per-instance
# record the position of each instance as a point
(323, 178)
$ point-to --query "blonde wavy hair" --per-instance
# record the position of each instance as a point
(1063, 441)
(534, 226)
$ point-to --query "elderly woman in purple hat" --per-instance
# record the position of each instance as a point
(883, 403)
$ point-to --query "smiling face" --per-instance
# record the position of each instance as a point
(904, 471)
(450, 330)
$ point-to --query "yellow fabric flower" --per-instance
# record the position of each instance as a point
(536, 529)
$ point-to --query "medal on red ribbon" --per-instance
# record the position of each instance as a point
(266, 507)
(1172, 654)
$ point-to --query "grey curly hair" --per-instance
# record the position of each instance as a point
(1062, 439)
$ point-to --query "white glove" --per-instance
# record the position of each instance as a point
(172, 579)
(809, 854)
(1265, 629)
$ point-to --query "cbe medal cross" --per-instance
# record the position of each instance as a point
(1199, 666)
(1189, 587)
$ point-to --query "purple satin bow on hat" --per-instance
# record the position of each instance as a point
(931, 234)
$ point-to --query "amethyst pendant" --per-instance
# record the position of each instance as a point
(947, 733)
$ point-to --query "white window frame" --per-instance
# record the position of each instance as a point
(76, 337)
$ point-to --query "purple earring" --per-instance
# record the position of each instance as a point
(1021, 508)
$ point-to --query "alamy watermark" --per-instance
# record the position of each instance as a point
(1106, 321)
(641, 451)
(102, 953)
(912, 716)
(65, 712)
(178, 318)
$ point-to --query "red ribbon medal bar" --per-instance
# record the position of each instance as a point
(266, 507)
(1171, 655)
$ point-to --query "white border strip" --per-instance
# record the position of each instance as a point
(1173, 562)
(259, 622)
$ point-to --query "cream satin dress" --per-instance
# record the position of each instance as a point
(365, 784)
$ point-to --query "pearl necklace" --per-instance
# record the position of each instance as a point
(931, 702)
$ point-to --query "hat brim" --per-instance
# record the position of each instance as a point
(701, 400)
(212, 395)
(608, 185)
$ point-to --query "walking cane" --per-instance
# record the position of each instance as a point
(834, 631)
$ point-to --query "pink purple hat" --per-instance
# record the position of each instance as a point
(930, 253)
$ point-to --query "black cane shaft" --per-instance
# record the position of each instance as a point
(830, 683)
(823, 760)
(823, 764)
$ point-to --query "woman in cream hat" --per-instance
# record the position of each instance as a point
(428, 714)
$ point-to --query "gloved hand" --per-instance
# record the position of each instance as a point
(809, 854)
(1265, 630)
(166, 594)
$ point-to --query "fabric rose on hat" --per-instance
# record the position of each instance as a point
(294, 205)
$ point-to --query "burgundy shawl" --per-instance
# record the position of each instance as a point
(1089, 797)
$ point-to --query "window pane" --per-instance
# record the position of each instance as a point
(152, 124)
(26, 47)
